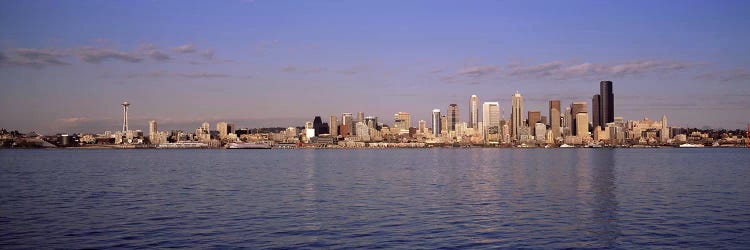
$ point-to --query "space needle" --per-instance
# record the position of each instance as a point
(125, 116)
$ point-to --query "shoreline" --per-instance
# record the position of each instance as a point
(386, 148)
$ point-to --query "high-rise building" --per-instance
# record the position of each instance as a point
(540, 131)
(444, 124)
(333, 126)
(363, 131)
(361, 117)
(347, 120)
(422, 126)
(224, 129)
(452, 116)
(534, 117)
(371, 122)
(204, 132)
(607, 103)
(474, 112)
(554, 118)
(582, 126)
(319, 127)
(436, 122)
(125, 106)
(402, 120)
(206, 127)
(575, 109)
(153, 131)
(516, 115)
(596, 111)
(491, 121)
(664, 129)
(567, 122)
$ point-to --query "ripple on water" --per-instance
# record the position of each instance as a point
(438, 198)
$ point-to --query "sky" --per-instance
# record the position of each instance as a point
(66, 66)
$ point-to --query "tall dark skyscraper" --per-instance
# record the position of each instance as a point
(452, 117)
(596, 111)
(607, 103)
(319, 126)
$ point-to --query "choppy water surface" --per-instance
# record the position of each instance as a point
(409, 198)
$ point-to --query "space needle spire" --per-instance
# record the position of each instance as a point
(125, 116)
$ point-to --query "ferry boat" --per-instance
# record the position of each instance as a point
(688, 145)
(249, 145)
(566, 146)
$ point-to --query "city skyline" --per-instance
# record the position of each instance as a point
(277, 63)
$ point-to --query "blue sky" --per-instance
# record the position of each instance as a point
(66, 65)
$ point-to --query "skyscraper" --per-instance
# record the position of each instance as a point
(575, 109)
(422, 126)
(452, 116)
(402, 120)
(534, 117)
(372, 122)
(223, 129)
(444, 124)
(206, 127)
(491, 121)
(664, 129)
(474, 112)
(152, 129)
(516, 115)
(333, 126)
(319, 126)
(361, 117)
(436, 122)
(607, 103)
(554, 118)
(596, 111)
(567, 122)
(125, 106)
(582, 126)
(347, 120)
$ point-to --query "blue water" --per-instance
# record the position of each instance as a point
(405, 198)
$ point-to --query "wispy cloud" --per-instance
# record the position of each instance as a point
(478, 71)
(207, 54)
(349, 71)
(736, 75)
(468, 74)
(152, 52)
(98, 55)
(35, 58)
(203, 75)
(185, 49)
(560, 70)
(190, 75)
(303, 69)
(43, 57)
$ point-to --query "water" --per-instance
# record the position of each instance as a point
(406, 198)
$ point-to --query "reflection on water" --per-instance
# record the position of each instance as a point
(411, 198)
(604, 199)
